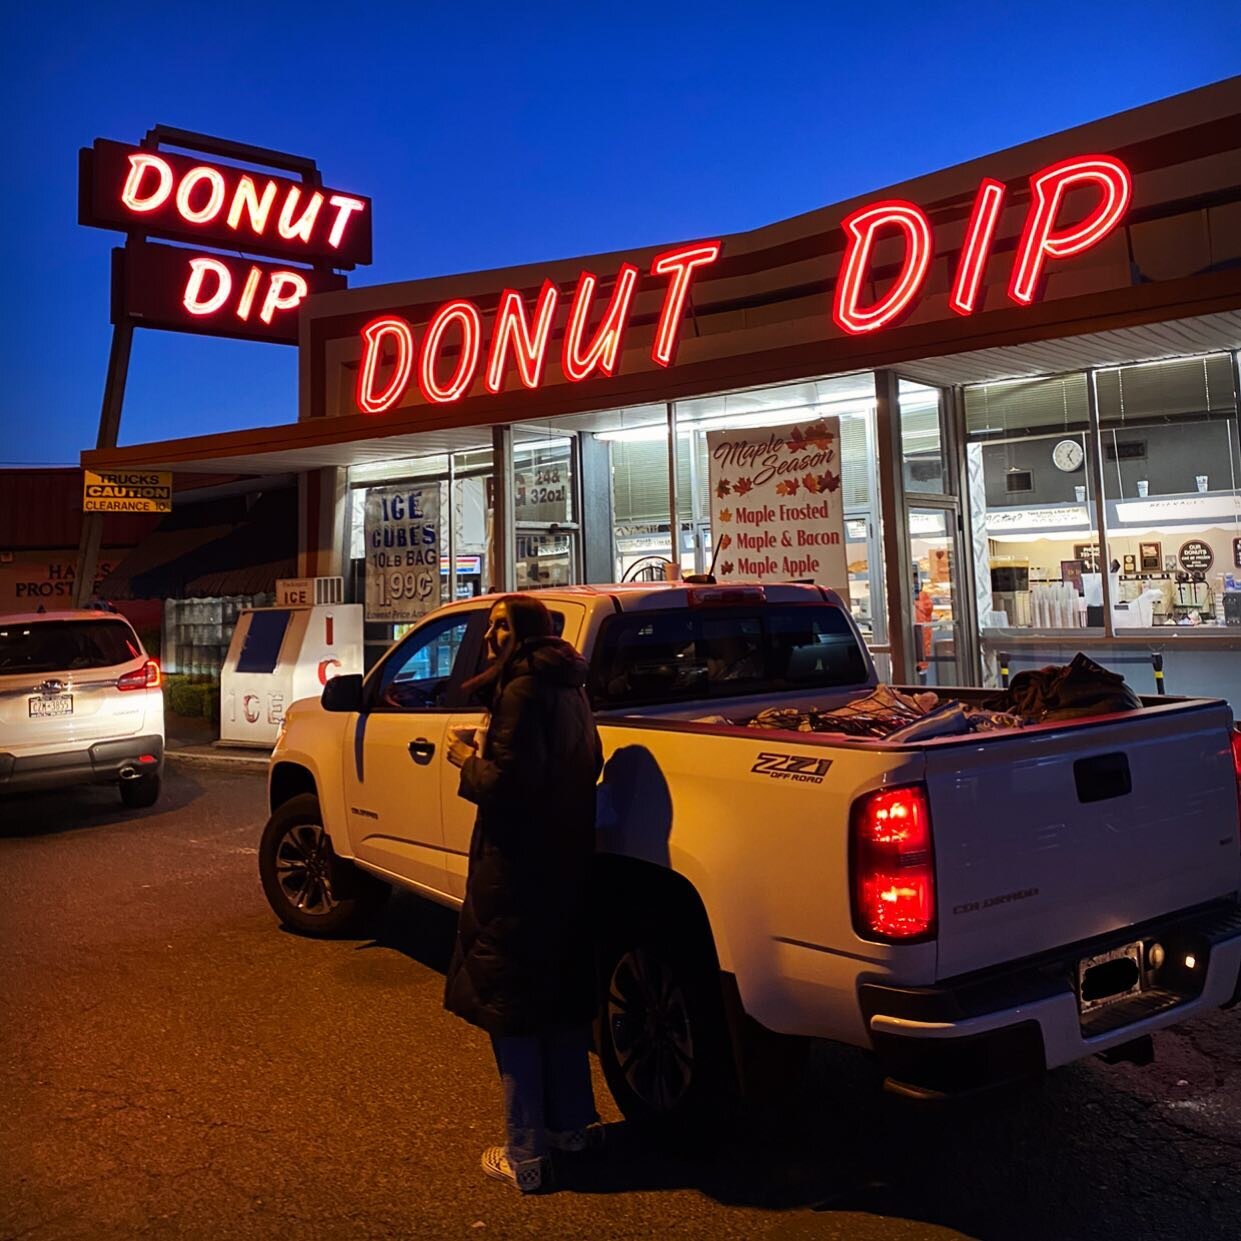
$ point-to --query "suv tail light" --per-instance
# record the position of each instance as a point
(893, 867)
(146, 677)
(1236, 763)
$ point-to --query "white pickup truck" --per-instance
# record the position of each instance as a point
(971, 908)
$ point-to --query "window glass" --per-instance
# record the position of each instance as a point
(922, 449)
(1172, 481)
(543, 481)
(65, 646)
(261, 648)
(418, 673)
(714, 653)
(1030, 462)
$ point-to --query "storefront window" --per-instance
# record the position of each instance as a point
(922, 448)
(543, 481)
(836, 474)
(637, 443)
(1171, 476)
(1030, 459)
(411, 523)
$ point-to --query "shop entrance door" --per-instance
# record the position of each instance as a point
(937, 651)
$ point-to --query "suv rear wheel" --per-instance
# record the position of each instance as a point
(310, 889)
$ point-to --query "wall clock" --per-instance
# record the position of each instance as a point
(1068, 456)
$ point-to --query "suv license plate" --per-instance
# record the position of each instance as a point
(1109, 977)
(47, 708)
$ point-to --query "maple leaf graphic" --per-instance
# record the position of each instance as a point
(723, 488)
(796, 439)
(787, 488)
(726, 540)
(726, 514)
(830, 481)
(744, 485)
(818, 435)
(727, 568)
(812, 483)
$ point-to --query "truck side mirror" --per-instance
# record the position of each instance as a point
(343, 693)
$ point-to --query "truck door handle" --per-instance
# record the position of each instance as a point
(421, 751)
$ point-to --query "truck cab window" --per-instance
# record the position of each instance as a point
(418, 674)
(654, 657)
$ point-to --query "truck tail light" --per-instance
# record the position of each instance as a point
(146, 677)
(892, 864)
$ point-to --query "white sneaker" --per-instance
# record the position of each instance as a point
(577, 1141)
(526, 1174)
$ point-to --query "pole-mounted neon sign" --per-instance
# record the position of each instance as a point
(454, 349)
(151, 192)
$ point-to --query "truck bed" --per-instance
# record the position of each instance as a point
(1043, 835)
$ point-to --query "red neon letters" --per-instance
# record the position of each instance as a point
(978, 236)
(284, 291)
(377, 333)
(1039, 241)
(202, 191)
(861, 227)
(604, 351)
(523, 334)
(529, 349)
(680, 265)
(466, 314)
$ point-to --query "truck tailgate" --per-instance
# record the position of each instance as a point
(1053, 836)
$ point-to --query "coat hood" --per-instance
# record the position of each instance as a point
(550, 659)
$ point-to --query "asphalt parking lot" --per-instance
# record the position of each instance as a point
(172, 1064)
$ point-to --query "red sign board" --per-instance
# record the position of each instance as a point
(186, 199)
(184, 290)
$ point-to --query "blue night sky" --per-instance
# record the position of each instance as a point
(493, 134)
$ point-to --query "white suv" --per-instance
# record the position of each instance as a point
(80, 703)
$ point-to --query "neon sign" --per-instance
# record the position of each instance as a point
(187, 199)
(526, 337)
(190, 291)
(1040, 241)
(520, 338)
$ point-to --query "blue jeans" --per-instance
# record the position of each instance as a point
(546, 1079)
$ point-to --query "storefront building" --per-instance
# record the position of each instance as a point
(1017, 380)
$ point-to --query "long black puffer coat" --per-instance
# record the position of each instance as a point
(522, 961)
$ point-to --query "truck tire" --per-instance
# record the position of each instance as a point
(663, 1037)
(309, 888)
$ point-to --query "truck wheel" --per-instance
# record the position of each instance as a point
(141, 793)
(311, 890)
(663, 1038)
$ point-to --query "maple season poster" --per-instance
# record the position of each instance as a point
(777, 509)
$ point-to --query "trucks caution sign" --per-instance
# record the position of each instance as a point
(138, 491)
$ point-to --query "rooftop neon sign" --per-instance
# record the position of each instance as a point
(455, 349)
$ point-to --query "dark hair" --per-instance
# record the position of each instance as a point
(528, 618)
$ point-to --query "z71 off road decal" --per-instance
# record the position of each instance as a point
(792, 767)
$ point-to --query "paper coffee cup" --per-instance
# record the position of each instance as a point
(1142, 487)
(1201, 480)
(1080, 493)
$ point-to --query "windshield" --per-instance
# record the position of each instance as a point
(653, 657)
(65, 646)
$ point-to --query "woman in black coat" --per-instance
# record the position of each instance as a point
(522, 968)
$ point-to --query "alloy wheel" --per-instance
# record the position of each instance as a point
(304, 869)
(649, 1025)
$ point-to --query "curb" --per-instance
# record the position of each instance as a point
(241, 762)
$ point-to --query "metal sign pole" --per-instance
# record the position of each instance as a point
(109, 429)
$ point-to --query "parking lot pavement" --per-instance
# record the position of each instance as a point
(172, 1064)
